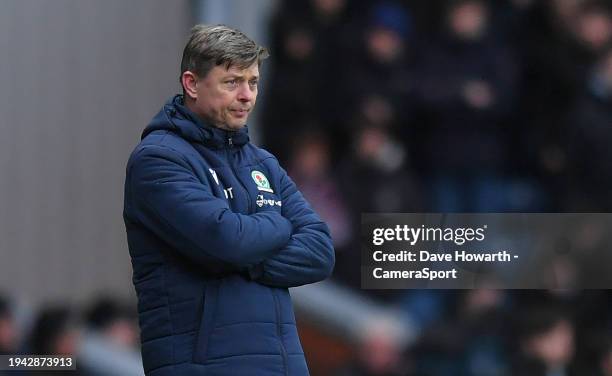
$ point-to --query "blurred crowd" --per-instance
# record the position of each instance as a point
(442, 106)
(489, 332)
(479, 332)
(60, 329)
(452, 106)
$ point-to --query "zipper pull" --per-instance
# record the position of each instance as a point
(230, 142)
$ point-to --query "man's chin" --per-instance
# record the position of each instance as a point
(236, 125)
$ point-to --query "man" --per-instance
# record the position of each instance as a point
(217, 231)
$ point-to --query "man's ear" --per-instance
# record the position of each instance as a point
(189, 81)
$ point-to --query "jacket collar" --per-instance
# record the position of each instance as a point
(175, 116)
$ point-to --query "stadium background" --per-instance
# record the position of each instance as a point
(373, 106)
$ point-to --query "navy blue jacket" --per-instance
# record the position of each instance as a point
(217, 234)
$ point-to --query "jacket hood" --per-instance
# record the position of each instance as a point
(174, 116)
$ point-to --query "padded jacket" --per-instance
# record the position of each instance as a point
(217, 233)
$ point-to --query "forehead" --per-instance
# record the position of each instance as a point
(220, 71)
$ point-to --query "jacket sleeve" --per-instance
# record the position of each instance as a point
(170, 201)
(309, 256)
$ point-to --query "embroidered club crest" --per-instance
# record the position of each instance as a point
(261, 181)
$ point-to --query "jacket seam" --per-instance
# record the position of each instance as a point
(153, 308)
(153, 146)
(219, 358)
(169, 335)
(148, 278)
(219, 327)
(233, 356)
(250, 322)
(169, 308)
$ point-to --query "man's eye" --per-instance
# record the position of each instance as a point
(253, 83)
(231, 82)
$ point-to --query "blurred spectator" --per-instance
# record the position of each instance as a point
(379, 354)
(593, 27)
(590, 176)
(591, 33)
(309, 40)
(8, 329)
(379, 81)
(424, 308)
(311, 170)
(375, 177)
(335, 27)
(378, 175)
(114, 321)
(575, 33)
(484, 318)
(546, 340)
(468, 86)
(469, 339)
(55, 332)
(292, 90)
(605, 362)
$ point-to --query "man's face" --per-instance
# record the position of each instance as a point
(226, 97)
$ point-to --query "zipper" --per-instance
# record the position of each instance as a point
(230, 144)
(279, 332)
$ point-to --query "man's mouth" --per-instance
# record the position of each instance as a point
(240, 112)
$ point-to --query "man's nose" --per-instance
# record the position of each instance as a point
(246, 94)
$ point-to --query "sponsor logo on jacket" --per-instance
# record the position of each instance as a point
(261, 201)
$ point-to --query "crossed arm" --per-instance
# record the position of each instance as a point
(308, 257)
(284, 250)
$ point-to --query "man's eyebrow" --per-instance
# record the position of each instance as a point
(239, 76)
(234, 76)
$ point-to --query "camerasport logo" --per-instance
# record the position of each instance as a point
(261, 201)
(261, 181)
